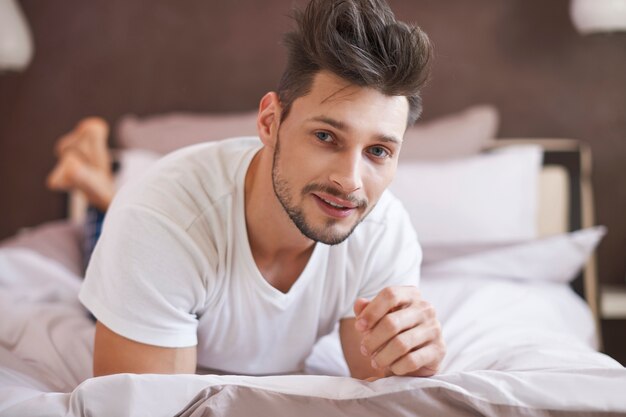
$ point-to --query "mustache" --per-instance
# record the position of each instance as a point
(313, 187)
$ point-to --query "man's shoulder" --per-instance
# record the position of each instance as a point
(184, 183)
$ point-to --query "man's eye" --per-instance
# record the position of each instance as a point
(379, 152)
(323, 136)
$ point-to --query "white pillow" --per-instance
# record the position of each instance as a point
(490, 197)
(133, 164)
(557, 258)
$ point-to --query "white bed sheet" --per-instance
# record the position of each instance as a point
(525, 344)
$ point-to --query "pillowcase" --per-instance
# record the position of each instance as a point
(133, 163)
(556, 258)
(460, 134)
(168, 132)
(454, 136)
(59, 240)
(490, 197)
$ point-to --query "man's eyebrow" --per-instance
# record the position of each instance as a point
(342, 126)
(330, 121)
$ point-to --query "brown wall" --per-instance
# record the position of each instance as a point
(112, 57)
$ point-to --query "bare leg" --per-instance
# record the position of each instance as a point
(84, 163)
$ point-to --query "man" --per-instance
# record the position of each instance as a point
(239, 255)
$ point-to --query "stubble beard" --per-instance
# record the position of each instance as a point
(296, 214)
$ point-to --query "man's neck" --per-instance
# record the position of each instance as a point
(279, 249)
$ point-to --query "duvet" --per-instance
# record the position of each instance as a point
(520, 343)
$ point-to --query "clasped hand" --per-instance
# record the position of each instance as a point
(400, 332)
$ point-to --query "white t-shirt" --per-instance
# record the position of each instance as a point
(173, 267)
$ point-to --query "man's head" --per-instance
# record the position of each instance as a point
(336, 124)
(361, 42)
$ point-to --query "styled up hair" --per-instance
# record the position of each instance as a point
(360, 41)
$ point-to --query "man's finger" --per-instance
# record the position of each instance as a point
(421, 362)
(386, 300)
(404, 343)
(360, 304)
(390, 326)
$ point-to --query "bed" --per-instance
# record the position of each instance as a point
(508, 238)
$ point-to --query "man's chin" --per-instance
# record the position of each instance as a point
(330, 240)
(333, 240)
(329, 234)
(324, 229)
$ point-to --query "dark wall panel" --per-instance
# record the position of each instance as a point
(115, 57)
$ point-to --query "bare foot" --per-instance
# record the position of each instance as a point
(72, 172)
(84, 163)
(89, 139)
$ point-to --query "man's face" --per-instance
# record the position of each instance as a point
(335, 154)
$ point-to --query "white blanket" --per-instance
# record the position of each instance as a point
(519, 347)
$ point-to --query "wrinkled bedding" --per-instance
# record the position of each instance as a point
(516, 346)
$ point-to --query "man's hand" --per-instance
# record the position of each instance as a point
(400, 332)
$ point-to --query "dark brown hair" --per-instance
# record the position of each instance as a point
(360, 41)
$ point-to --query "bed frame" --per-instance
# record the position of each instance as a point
(566, 203)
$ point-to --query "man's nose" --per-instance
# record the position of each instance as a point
(346, 172)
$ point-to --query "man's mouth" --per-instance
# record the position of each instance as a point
(335, 206)
(332, 203)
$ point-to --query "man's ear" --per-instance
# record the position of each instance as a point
(268, 118)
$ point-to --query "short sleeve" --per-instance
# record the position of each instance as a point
(393, 257)
(146, 279)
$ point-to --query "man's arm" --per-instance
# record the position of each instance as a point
(396, 333)
(114, 354)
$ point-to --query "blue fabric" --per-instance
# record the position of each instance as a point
(91, 233)
(93, 228)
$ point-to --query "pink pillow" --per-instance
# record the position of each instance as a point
(59, 240)
(453, 136)
(456, 135)
(168, 132)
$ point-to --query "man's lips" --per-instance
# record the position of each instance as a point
(333, 206)
(336, 202)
